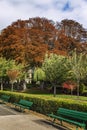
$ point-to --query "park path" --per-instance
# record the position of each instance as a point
(11, 119)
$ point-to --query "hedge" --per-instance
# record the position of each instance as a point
(44, 104)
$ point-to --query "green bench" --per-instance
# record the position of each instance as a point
(79, 119)
(23, 104)
(4, 98)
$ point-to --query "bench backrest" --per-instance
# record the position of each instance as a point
(72, 114)
(25, 103)
(5, 97)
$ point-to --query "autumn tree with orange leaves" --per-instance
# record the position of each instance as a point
(12, 74)
(27, 41)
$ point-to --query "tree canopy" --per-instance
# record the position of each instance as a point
(55, 69)
(78, 67)
(27, 41)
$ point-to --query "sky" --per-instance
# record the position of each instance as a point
(56, 10)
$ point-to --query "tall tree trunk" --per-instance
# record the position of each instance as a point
(24, 85)
(1, 84)
(78, 81)
(54, 91)
(18, 83)
(12, 87)
(42, 85)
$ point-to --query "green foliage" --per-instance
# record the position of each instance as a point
(3, 67)
(6, 65)
(78, 67)
(55, 69)
(39, 75)
(48, 104)
(78, 64)
(82, 88)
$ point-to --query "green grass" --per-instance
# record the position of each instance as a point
(47, 95)
(36, 91)
(58, 96)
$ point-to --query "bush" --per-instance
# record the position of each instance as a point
(82, 88)
(85, 93)
(45, 105)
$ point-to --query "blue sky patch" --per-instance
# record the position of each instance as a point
(67, 7)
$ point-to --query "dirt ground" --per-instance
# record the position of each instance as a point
(67, 126)
(11, 119)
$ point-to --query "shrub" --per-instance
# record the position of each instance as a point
(82, 88)
(45, 105)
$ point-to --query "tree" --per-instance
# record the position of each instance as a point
(12, 74)
(10, 44)
(14, 71)
(78, 64)
(6, 65)
(74, 29)
(39, 75)
(27, 41)
(55, 69)
(3, 69)
(69, 85)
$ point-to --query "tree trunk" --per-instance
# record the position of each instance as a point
(1, 84)
(71, 92)
(78, 88)
(54, 91)
(18, 84)
(24, 85)
(12, 87)
(42, 85)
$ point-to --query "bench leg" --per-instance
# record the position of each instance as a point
(21, 109)
(61, 122)
(53, 120)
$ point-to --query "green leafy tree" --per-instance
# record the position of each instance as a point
(6, 65)
(3, 69)
(55, 69)
(78, 67)
(39, 75)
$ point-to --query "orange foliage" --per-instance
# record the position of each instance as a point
(12, 74)
(27, 41)
(69, 85)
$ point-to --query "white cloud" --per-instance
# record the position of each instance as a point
(11, 10)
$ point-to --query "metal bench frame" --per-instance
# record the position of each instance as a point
(71, 116)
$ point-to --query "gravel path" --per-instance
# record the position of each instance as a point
(14, 120)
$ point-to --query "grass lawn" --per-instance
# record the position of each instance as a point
(45, 95)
